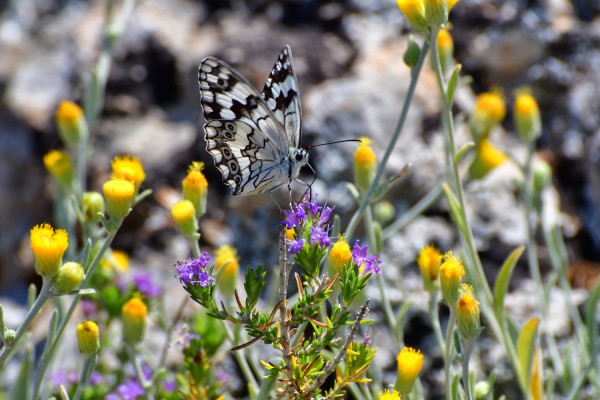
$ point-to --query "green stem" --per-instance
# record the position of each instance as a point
(435, 319)
(467, 347)
(139, 373)
(88, 367)
(243, 363)
(47, 357)
(37, 305)
(448, 350)
(388, 151)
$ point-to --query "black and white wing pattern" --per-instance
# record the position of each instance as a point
(254, 138)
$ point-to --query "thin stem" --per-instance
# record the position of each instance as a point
(435, 320)
(243, 363)
(449, 348)
(139, 373)
(388, 151)
(88, 367)
(283, 312)
(467, 347)
(37, 305)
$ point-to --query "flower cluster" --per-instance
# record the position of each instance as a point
(192, 271)
(365, 264)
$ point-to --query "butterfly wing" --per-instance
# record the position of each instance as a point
(243, 136)
(283, 97)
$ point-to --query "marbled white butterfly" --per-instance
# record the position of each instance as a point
(254, 138)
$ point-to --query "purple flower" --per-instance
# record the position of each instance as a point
(292, 217)
(130, 390)
(192, 271)
(359, 255)
(89, 308)
(313, 207)
(325, 215)
(169, 386)
(319, 235)
(96, 378)
(146, 285)
(296, 245)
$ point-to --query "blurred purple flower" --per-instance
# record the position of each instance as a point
(169, 386)
(88, 308)
(146, 285)
(130, 390)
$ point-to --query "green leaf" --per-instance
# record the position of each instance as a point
(378, 237)
(2, 325)
(25, 377)
(590, 318)
(453, 83)
(503, 278)
(454, 206)
(353, 191)
(526, 349)
(463, 151)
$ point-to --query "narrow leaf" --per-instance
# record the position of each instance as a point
(503, 278)
(463, 151)
(453, 83)
(526, 349)
(454, 206)
(590, 318)
(378, 237)
(25, 377)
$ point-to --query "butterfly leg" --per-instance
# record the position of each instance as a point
(309, 188)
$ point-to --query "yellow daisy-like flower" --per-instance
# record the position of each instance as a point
(195, 187)
(58, 163)
(467, 315)
(117, 260)
(365, 162)
(487, 158)
(227, 267)
(129, 169)
(414, 11)
(489, 111)
(48, 246)
(410, 363)
(71, 122)
(134, 314)
(184, 215)
(387, 395)
(88, 337)
(527, 115)
(451, 274)
(119, 195)
(429, 262)
(339, 256)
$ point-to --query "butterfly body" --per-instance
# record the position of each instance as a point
(254, 138)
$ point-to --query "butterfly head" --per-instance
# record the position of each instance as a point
(299, 158)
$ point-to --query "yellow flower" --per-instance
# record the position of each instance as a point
(129, 169)
(487, 158)
(227, 267)
(72, 126)
(489, 110)
(365, 162)
(451, 4)
(445, 48)
(69, 277)
(117, 260)
(119, 195)
(88, 337)
(387, 395)
(429, 262)
(527, 116)
(290, 234)
(339, 256)
(414, 11)
(436, 12)
(451, 274)
(48, 246)
(467, 315)
(184, 215)
(134, 314)
(410, 363)
(58, 163)
(93, 206)
(195, 186)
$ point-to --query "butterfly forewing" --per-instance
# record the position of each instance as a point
(282, 96)
(250, 154)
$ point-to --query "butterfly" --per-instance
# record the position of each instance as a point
(254, 138)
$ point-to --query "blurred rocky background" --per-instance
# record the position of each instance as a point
(348, 57)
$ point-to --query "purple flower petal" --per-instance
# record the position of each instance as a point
(296, 246)
(146, 285)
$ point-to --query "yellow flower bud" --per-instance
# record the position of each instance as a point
(72, 126)
(58, 163)
(339, 256)
(134, 314)
(489, 110)
(184, 215)
(69, 277)
(88, 337)
(93, 206)
(119, 195)
(387, 395)
(527, 116)
(429, 262)
(467, 315)
(414, 11)
(227, 267)
(436, 12)
(48, 246)
(384, 212)
(410, 363)
(451, 274)
(365, 163)
(542, 175)
(116, 260)
(194, 187)
(445, 48)
(487, 158)
(129, 169)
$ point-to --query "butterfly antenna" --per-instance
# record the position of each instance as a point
(328, 143)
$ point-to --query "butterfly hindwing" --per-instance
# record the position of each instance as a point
(283, 97)
(226, 96)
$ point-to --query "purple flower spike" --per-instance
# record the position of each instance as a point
(319, 235)
(313, 207)
(130, 390)
(291, 220)
(193, 271)
(296, 246)
(359, 255)
(325, 215)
